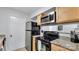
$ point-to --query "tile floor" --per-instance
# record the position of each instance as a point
(21, 49)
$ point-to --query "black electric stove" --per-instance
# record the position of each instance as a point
(45, 41)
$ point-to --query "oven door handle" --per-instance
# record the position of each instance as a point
(46, 43)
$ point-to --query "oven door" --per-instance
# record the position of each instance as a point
(43, 46)
(46, 46)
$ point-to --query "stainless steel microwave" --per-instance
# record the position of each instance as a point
(51, 17)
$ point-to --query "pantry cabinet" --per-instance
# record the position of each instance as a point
(67, 14)
(58, 48)
(38, 19)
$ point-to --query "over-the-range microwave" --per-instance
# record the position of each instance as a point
(51, 17)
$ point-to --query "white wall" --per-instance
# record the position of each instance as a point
(5, 14)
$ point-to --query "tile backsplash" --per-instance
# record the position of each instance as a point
(66, 28)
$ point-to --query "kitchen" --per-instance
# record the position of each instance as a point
(46, 29)
(58, 30)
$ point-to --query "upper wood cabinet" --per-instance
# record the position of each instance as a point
(67, 14)
(38, 19)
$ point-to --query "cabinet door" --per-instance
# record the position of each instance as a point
(67, 14)
(38, 20)
(33, 44)
(58, 48)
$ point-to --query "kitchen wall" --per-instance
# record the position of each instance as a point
(66, 28)
(5, 25)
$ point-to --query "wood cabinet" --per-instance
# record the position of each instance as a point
(67, 14)
(33, 44)
(38, 19)
(58, 48)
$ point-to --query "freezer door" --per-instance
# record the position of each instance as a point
(28, 40)
(28, 25)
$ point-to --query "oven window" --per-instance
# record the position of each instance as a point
(43, 47)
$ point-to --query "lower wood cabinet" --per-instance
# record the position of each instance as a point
(58, 48)
(33, 44)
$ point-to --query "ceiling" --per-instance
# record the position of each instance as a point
(27, 10)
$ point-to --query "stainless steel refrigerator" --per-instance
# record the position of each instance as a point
(31, 29)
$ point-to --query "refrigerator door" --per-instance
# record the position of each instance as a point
(28, 40)
(28, 25)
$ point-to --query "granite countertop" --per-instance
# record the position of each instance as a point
(66, 43)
